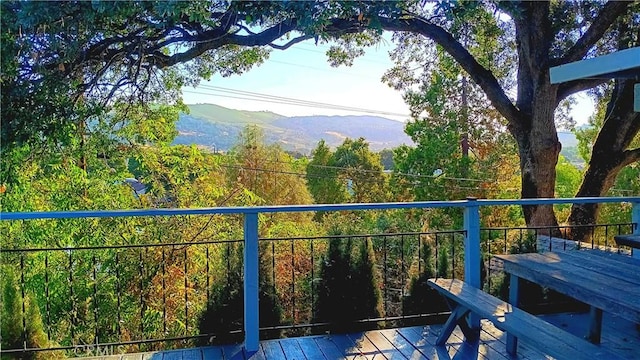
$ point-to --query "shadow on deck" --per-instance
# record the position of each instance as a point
(619, 336)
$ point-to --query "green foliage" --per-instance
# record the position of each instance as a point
(11, 310)
(423, 298)
(350, 174)
(443, 263)
(223, 315)
(322, 178)
(361, 169)
(146, 52)
(13, 319)
(266, 170)
(568, 179)
(386, 158)
(348, 290)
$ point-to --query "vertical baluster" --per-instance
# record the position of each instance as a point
(46, 293)
(164, 293)
(488, 259)
(186, 293)
(273, 265)
(635, 219)
(293, 282)
(312, 276)
(453, 256)
(118, 293)
(141, 273)
(24, 310)
(419, 241)
(228, 263)
(505, 240)
(207, 265)
(72, 314)
(402, 263)
(95, 300)
(384, 270)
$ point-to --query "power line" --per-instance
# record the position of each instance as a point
(255, 96)
(367, 171)
(304, 175)
(319, 69)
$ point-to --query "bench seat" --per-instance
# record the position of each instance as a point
(542, 335)
(632, 241)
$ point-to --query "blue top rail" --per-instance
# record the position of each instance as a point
(305, 208)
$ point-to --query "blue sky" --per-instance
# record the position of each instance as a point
(302, 72)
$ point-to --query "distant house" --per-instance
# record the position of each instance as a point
(137, 187)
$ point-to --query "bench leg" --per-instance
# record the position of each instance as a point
(470, 326)
(514, 293)
(595, 325)
(457, 314)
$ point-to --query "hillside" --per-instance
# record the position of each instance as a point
(218, 128)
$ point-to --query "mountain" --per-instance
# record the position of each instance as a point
(567, 139)
(218, 128)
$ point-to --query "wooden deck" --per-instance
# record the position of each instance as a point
(619, 336)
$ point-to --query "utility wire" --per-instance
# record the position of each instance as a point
(255, 96)
(357, 170)
(303, 175)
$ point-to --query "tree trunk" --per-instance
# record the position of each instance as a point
(608, 157)
(538, 149)
(536, 134)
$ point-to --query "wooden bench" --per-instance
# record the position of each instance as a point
(632, 241)
(542, 335)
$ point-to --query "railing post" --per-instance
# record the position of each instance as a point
(472, 243)
(635, 218)
(251, 315)
(472, 252)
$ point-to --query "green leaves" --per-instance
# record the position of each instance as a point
(350, 174)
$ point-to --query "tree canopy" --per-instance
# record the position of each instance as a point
(68, 65)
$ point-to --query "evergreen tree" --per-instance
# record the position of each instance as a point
(422, 298)
(224, 312)
(368, 299)
(14, 336)
(348, 289)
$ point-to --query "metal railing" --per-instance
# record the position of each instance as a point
(167, 284)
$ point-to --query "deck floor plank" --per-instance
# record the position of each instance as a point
(272, 349)
(193, 354)
(415, 343)
(419, 337)
(291, 349)
(350, 349)
(402, 345)
(212, 353)
(172, 355)
(384, 345)
(481, 348)
(329, 348)
(310, 348)
(233, 352)
(365, 347)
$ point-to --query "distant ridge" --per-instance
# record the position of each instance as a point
(217, 128)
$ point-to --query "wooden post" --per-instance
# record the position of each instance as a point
(251, 315)
(472, 252)
(514, 300)
(472, 243)
(635, 218)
